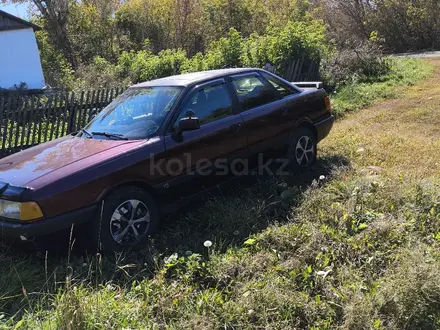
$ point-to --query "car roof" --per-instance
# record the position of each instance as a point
(189, 79)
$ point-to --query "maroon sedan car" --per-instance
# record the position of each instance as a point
(156, 146)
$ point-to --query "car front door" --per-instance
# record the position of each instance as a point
(202, 158)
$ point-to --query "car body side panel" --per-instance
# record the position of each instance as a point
(312, 104)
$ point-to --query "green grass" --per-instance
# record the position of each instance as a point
(403, 72)
(359, 249)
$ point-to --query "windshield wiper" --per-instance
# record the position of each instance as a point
(111, 135)
(84, 131)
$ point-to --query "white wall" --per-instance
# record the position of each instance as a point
(20, 59)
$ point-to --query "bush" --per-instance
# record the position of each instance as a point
(226, 52)
(143, 65)
(362, 63)
(194, 64)
(166, 63)
(100, 74)
(278, 47)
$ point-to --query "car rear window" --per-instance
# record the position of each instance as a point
(282, 88)
(253, 91)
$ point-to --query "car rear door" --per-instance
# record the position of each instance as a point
(268, 111)
(202, 158)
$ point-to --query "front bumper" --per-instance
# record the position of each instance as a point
(324, 127)
(47, 226)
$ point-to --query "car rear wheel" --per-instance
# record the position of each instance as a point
(129, 217)
(302, 148)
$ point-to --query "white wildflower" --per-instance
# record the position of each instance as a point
(171, 258)
(324, 274)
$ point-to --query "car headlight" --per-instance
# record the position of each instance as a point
(20, 211)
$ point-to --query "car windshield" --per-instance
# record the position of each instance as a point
(137, 114)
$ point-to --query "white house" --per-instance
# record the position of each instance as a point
(19, 56)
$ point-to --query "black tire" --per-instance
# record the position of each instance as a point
(120, 204)
(303, 148)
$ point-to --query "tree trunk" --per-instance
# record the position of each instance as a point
(56, 13)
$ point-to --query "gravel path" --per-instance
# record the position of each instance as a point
(419, 55)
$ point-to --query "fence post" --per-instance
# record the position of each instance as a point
(72, 113)
(30, 118)
(36, 120)
(292, 66)
(4, 107)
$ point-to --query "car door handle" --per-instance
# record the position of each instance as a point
(236, 128)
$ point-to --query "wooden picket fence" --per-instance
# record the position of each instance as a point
(28, 120)
(299, 69)
(302, 70)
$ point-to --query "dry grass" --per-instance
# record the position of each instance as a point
(401, 136)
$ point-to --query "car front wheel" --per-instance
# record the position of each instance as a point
(129, 216)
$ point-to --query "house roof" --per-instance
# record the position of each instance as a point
(11, 22)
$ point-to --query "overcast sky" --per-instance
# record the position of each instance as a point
(19, 10)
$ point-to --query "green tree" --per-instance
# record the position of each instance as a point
(92, 32)
(58, 72)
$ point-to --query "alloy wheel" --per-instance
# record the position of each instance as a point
(130, 222)
(305, 151)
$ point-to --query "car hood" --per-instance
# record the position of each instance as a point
(23, 168)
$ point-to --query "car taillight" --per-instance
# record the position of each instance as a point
(328, 104)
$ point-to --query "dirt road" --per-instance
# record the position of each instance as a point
(400, 136)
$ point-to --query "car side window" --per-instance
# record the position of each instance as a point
(282, 88)
(253, 91)
(209, 104)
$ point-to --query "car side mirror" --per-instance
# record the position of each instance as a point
(188, 123)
